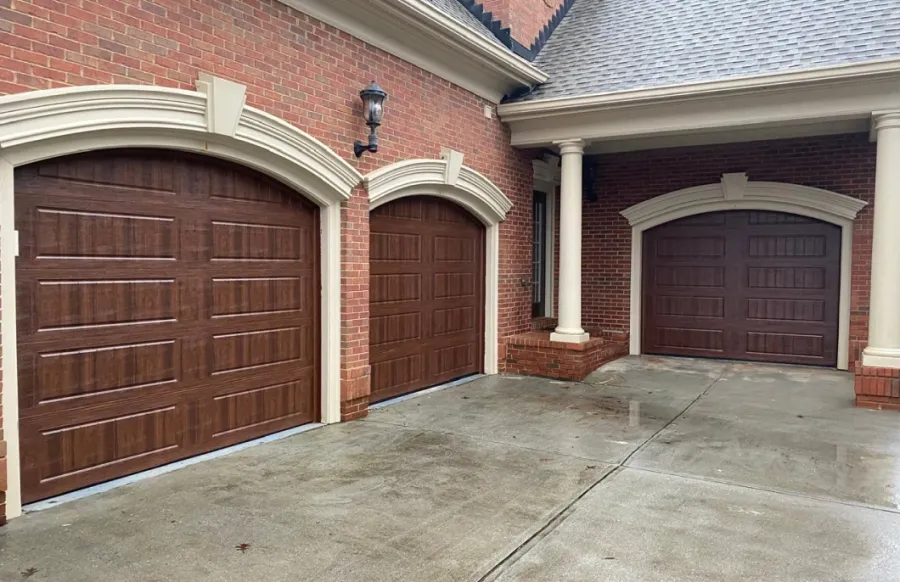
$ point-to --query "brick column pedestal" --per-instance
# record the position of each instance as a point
(877, 388)
(353, 409)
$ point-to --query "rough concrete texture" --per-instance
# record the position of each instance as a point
(642, 526)
(651, 469)
(360, 501)
(784, 428)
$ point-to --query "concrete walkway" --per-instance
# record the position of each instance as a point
(652, 470)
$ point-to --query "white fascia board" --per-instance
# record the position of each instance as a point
(834, 94)
(421, 34)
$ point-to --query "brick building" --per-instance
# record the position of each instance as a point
(193, 256)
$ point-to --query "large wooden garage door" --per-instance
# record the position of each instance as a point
(167, 306)
(426, 295)
(747, 285)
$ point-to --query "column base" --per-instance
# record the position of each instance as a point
(567, 337)
(354, 409)
(881, 357)
(877, 388)
(532, 353)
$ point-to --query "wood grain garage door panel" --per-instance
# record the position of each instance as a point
(426, 295)
(167, 305)
(749, 285)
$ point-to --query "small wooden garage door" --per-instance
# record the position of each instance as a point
(167, 306)
(426, 295)
(747, 285)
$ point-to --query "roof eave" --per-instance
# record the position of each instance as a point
(453, 51)
(542, 108)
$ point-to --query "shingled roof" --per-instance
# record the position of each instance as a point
(604, 46)
(461, 14)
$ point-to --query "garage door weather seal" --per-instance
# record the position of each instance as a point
(162, 470)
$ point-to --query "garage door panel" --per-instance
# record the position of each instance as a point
(398, 375)
(224, 183)
(785, 309)
(250, 408)
(451, 361)
(779, 277)
(769, 293)
(120, 171)
(236, 326)
(687, 338)
(675, 276)
(246, 241)
(786, 344)
(69, 459)
(100, 234)
(243, 350)
(690, 247)
(241, 297)
(89, 194)
(397, 350)
(396, 247)
(454, 249)
(392, 288)
(426, 295)
(406, 210)
(767, 217)
(393, 328)
(689, 305)
(86, 373)
(284, 215)
(787, 246)
(454, 320)
(73, 338)
(170, 326)
(74, 448)
(86, 303)
(448, 286)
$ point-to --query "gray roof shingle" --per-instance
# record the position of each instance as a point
(461, 14)
(615, 45)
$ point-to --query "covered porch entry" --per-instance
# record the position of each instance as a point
(739, 222)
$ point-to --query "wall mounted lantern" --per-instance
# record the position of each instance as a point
(373, 98)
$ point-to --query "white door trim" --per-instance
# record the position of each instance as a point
(735, 192)
(213, 121)
(449, 179)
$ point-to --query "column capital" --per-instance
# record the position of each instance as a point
(570, 146)
(884, 120)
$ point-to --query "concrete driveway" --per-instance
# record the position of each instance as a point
(652, 469)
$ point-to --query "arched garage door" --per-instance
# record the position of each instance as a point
(426, 295)
(168, 305)
(748, 285)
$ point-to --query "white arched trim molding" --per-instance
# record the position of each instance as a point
(735, 192)
(213, 121)
(449, 179)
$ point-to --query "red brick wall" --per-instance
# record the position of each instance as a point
(844, 164)
(301, 70)
(877, 388)
(525, 18)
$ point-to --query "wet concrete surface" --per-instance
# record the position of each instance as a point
(642, 526)
(652, 469)
(788, 429)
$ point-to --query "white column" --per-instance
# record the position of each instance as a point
(569, 329)
(883, 350)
